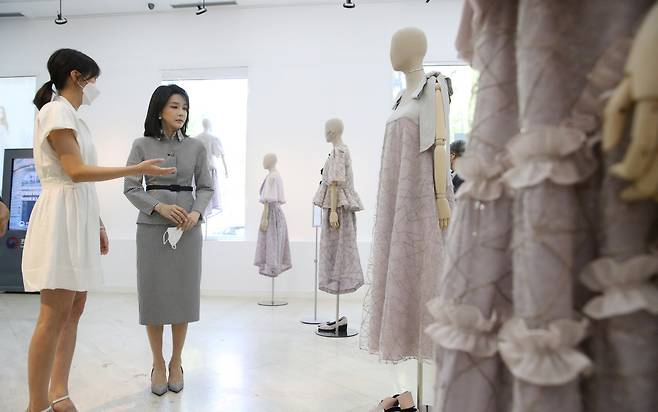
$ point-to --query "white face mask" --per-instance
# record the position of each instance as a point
(89, 93)
(172, 235)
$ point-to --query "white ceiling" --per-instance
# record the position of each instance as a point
(48, 8)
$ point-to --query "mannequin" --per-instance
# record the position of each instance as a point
(269, 164)
(408, 49)
(413, 210)
(340, 266)
(218, 150)
(639, 88)
(272, 248)
(214, 150)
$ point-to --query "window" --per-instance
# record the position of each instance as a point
(464, 82)
(218, 114)
(16, 114)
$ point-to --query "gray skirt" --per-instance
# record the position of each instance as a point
(168, 280)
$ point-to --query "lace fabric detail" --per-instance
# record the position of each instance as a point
(463, 328)
(544, 356)
(556, 154)
(482, 178)
(626, 286)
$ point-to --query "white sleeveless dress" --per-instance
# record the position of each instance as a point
(62, 246)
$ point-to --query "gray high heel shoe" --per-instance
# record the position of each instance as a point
(176, 386)
(157, 389)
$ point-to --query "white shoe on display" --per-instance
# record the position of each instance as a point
(331, 326)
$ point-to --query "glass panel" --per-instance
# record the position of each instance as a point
(16, 114)
(221, 104)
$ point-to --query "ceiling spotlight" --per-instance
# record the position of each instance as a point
(201, 8)
(60, 20)
(348, 4)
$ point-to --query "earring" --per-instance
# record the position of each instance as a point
(159, 117)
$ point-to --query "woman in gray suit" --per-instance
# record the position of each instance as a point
(168, 232)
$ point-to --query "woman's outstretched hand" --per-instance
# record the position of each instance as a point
(151, 168)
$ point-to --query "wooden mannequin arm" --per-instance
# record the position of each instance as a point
(264, 221)
(333, 198)
(440, 163)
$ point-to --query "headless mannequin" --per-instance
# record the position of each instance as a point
(206, 131)
(269, 163)
(408, 49)
(333, 131)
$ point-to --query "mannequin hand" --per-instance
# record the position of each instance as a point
(443, 210)
(4, 219)
(637, 93)
(192, 220)
(150, 168)
(333, 220)
(105, 242)
(173, 213)
(264, 224)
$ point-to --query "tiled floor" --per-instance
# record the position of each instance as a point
(240, 357)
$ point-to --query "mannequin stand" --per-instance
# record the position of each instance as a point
(337, 333)
(315, 320)
(272, 302)
(422, 407)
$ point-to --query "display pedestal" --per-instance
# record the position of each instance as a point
(272, 302)
(317, 222)
(337, 332)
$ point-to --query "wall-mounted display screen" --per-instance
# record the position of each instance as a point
(25, 190)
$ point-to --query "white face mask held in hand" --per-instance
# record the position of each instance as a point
(173, 235)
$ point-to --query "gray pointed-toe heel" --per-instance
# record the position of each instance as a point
(157, 389)
(177, 386)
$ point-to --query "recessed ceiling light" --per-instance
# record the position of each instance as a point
(348, 4)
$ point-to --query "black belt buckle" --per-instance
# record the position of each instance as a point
(175, 188)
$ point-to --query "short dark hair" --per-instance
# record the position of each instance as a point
(458, 147)
(159, 99)
(60, 64)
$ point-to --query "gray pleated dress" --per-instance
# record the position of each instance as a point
(168, 279)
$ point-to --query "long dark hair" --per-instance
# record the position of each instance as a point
(159, 99)
(60, 64)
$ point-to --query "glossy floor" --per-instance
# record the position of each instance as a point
(240, 357)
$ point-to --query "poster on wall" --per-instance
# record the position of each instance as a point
(16, 114)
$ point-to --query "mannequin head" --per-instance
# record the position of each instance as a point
(333, 130)
(206, 125)
(408, 49)
(269, 161)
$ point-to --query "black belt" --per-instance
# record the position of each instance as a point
(171, 188)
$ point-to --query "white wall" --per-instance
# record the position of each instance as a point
(305, 64)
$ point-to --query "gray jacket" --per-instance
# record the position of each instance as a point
(190, 159)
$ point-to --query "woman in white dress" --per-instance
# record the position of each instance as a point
(66, 237)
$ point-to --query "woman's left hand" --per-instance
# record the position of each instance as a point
(105, 242)
(192, 220)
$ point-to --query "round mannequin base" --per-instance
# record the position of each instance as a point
(272, 303)
(341, 333)
(312, 321)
